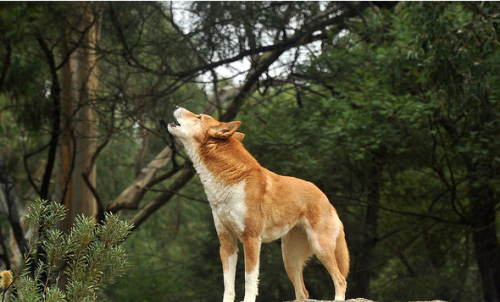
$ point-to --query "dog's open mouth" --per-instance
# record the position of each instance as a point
(174, 124)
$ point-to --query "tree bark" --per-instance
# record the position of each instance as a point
(79, 140)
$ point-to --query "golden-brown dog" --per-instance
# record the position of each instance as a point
(255, 205)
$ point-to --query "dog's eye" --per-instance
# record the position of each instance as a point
(199, 117)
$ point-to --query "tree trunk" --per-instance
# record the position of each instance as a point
(8, 205)
(481, 216)
(66, 155)
(366, 252)
(486, 245)
(482, 219)
(78, 143)
(487, 250)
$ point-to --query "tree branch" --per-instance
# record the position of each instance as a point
(408, 213)
(131, 196)
(302, 36)
(187, 173)
(6, 65)
(55, 92)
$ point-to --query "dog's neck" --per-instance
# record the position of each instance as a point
(222, 167)
(225, 161)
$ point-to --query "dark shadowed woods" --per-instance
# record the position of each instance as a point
(391, 108)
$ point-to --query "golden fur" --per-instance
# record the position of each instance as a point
(255, 205)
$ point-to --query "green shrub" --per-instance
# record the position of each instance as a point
(87, 259)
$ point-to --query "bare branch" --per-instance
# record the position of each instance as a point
(186, 175)
(305, 35)
(6, 64)
(132, 195)
(408, 213)
(55, 92)
(128, 198)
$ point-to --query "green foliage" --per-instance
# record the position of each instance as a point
(74, 266)
(383, 84)
(168, 249)
(419, 82)
(397, 82)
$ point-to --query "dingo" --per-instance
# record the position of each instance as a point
(255, 205)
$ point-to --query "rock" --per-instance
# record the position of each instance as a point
(359, 300)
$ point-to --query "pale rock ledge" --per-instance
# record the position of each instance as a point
(360, 300)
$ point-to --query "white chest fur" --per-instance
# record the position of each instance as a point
(227, 201)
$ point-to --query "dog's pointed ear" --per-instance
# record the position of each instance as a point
(226, 130)
(239, 136)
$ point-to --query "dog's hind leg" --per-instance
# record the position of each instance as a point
(323, 245)
(296, 251)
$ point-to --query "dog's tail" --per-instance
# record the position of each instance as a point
(342, 254)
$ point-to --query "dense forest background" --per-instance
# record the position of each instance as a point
(391, 108)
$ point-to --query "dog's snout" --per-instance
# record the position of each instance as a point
(179, 108)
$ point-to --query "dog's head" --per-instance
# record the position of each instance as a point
(200, 128)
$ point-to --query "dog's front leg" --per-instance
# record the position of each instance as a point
(251, 246)
(229, 257)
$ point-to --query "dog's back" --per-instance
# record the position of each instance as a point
(255, 205)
